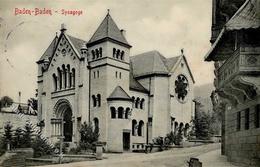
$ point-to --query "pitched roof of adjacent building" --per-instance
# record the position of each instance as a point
(148, 63)
(247, 17)
(108, 30)
(119, 94)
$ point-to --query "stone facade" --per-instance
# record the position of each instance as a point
(236, 53)
(129, 99)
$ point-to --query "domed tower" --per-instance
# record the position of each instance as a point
(109, 69)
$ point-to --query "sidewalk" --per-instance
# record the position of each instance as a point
(214, 159)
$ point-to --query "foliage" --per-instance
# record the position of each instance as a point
(88, 137)
(32, 102)
(2, 147)
(27, 135)
(160, 142)
(202, 125)
(7, 134)
(17, 139)
(76, 150)
(6, 101)
(41, 147)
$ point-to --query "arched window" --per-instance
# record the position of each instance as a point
(133, 100)
(116, 74)
(114, 52)
(181, 126)
(175, 127)
(120, 75)
(100, 52)
(134, 126)
(122, 55)
(98, 100)
(141, 128)
(142, 104)
(94, 100)
(117, 53)
(120, 112)
(186, 128)
(93, 54)
(64, 82)
(68, 76)
(137, 102)
(127, 112)
(96, 124)
(73, 78)
(54, 82)
(60, 77)
(113, 112)
(97, 53)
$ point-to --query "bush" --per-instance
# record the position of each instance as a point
(76, 150)
(160, 142)
(64, 147)
(2, 147)
(41, 147)
(7, 135)
(27, 135)
(88, 137)
(17, 139)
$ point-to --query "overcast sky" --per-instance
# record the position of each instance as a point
(163, 25)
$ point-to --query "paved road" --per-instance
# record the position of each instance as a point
(172, 158)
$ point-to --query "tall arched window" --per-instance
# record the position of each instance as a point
(137, 102)
(142, 104)
(175, 127)
(120, 112)
(98, 100)
(114, 52)
(117, 53)
(74, 76)
(97, 53)
(93, 54)
(122, 55)
(60, 77)
(100, 52)
(127, 112)
(141, 128)
(134, 125)
(68, 76)
(96, 124)
(113, 112)
(94, 100)
(133, 100)
(186, 128)
(64, 76)
(54, 81)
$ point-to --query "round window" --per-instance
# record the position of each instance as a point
(181, 88)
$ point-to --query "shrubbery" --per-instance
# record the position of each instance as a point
(88, 137)
(41, 147)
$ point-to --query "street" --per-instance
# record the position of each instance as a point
(209, 155)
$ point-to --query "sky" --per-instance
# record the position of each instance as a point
(165, 25)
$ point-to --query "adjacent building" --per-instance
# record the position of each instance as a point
(129, 99)
(236, 54)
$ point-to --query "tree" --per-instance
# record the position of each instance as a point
(88, 136)
(202, 125)
(6, 101)
(18, 136)
(27, 135)
(32, 102)
(7, 134)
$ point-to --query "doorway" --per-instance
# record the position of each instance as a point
(126, 141)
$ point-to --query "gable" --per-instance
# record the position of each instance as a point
(181, 65)
(66, 46)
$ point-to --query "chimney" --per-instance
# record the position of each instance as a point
(123, 32)
(63, 28)
(19, 97)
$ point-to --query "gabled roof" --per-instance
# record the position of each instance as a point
(49, 51)
(247, 17)
(134, 84)
(170, 62)
(108, 30)
(119, 94)
(77, 43)
(148, 63)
